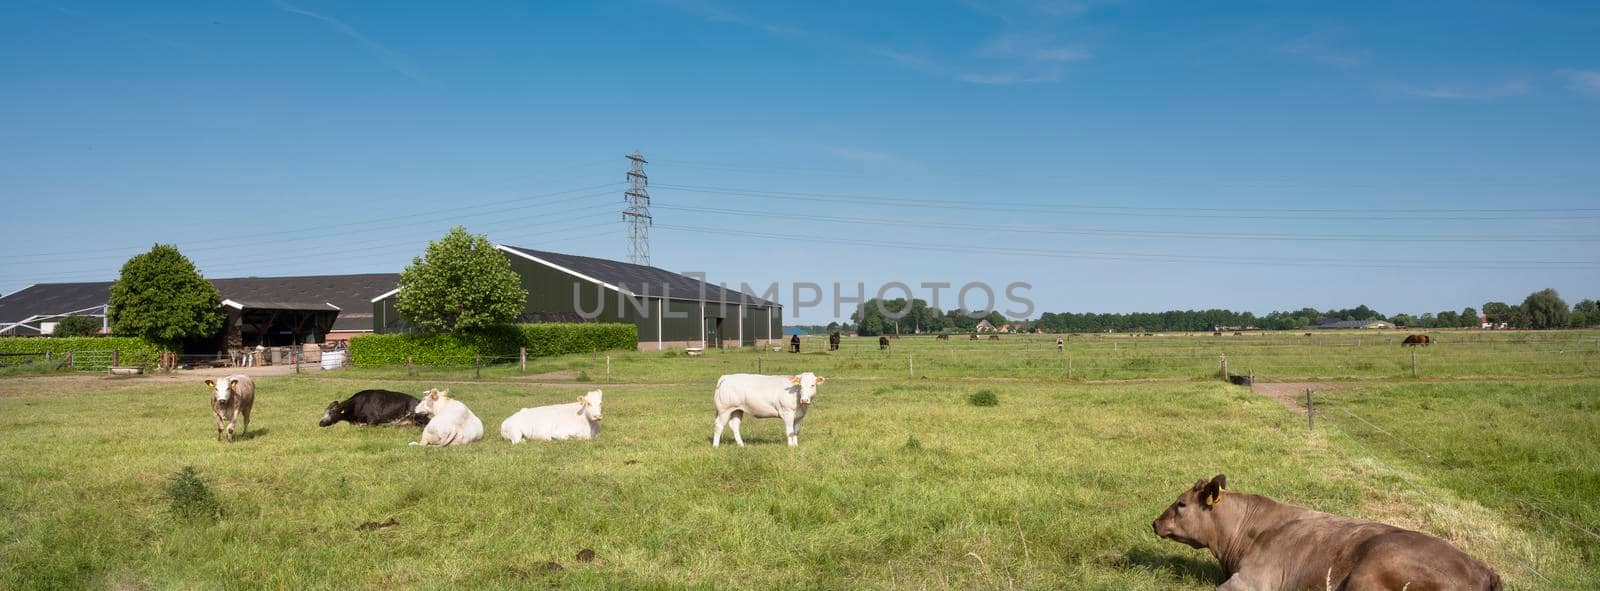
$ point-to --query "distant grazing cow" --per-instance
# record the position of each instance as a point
(452, 423)
(1416, 339)
(375, 407)
(763, 397)
(833, 342)
(994, 337)
(573, 420)
(883, 343)
(794, 344)
(1264, 544)
(1238, 334)
(1308, 334)
(231, 399)
(943, 337)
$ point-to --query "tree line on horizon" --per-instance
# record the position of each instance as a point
(1543, 309)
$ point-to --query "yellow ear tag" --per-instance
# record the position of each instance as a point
(1212, 501)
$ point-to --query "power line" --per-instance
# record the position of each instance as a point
(1162, 212)
(234, 239)
(1140, 233)
(1174, 258)
(296, 258)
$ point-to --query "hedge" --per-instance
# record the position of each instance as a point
(542, 340)
(134, 351)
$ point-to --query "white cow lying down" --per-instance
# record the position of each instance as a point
(573, 420)
(763, 397)
(452, 422)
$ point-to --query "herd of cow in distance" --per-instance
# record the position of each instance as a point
(1261, 544)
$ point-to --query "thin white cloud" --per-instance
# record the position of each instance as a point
(1458, 92)
(1584, 81)
(857, 154)
(1318, 47)
(1032, 49)
(388, 57)
(1006, 59)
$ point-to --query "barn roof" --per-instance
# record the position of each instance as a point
(638, 279)
(350, 293)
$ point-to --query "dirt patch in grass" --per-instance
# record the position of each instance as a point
(1292, 395)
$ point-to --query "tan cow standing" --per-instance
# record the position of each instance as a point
(232, 398)
(1265, 545)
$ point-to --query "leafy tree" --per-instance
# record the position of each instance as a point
(1469, 318)
(1497, 312)
(1447, 319)
(1545, 309)
(460, 284)
(77, 326)
(1587, 312)
(161, 298)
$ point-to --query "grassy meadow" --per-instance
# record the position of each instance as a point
(900, 482)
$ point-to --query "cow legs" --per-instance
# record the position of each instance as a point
(733, 421)
(217, 414)
(788, 430)
(716, 432)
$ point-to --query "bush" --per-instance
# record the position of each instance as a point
(77, 326)
(542, 340)
(983, 398)
(190, 496)
(135, 352)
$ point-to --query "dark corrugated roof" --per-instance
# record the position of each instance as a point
(641, 279)
(53, 298)
(351, 293)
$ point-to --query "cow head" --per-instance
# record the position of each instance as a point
(589, 406)
(334, 413)
(808, 383)
(222, 390)
(432, 399)
(1193, 519)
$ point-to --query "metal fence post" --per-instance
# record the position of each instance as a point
(1224, 366)
(911, 364)
(1413, 362)
(1311, 412)
(294, 357)
(522, 358)
(608, 365)
(1069, 366)
(116, 357)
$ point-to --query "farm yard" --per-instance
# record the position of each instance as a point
(899, 482)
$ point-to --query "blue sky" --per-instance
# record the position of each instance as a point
(1118, 156)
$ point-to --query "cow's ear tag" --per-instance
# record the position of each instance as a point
(1214, 499)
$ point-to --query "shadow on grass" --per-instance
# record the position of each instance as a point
(254, 433)
(1181, 567)
(727, 440)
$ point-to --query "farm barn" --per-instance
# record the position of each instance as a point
(671, 310)
(266, 311)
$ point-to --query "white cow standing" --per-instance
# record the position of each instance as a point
(763, 397)
(231, 399)
(452, 423)
(573, 420)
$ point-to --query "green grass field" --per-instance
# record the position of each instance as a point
(899, 483)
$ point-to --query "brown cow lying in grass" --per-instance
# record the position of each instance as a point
(1266, 545)
(1416, 339)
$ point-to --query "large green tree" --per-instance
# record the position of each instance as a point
(161, 298)
(1586, 313)
(77, 326)
(460, 284)
(1545, 309)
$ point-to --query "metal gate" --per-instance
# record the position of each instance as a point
(92, 360)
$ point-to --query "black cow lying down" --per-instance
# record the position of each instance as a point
(375, 407)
